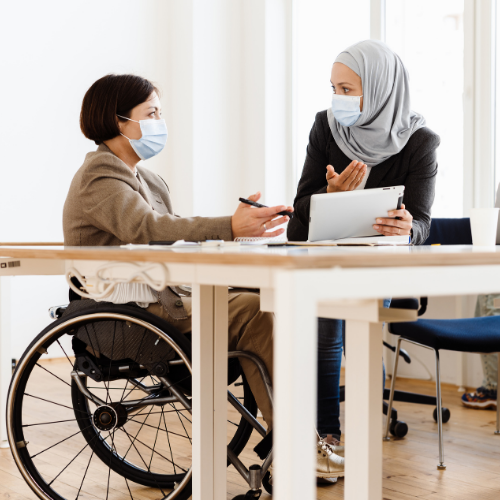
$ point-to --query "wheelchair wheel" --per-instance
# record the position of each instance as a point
(100, 406)
(267, 483)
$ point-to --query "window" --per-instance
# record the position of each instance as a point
(322, 29)
(436, 66)
(497, 103)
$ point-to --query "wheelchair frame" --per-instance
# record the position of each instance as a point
(253, 476)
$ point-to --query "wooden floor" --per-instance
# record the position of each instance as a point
(409, 465)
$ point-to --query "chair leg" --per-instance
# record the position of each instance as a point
(497, 430)
(393, 386)
(441, 465)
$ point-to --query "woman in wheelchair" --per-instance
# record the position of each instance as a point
(114, 417)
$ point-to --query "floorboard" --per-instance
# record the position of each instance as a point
(472, 453)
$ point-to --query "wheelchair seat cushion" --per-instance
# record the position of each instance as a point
(467, 335)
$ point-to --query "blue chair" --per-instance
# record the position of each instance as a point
(465, 335)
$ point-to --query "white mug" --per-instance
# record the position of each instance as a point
(484, 223)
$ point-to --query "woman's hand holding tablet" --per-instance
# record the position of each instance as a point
(348, 180)
(401, 225)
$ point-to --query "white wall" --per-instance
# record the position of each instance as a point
(224, 71)
(50, 54)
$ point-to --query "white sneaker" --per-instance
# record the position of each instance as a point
(329, 464)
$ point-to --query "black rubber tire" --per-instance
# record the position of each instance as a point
(248, 496)
(266, 484)
(445, 412)
(399, 429)
(244, 431)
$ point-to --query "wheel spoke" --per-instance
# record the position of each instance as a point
(182, 423)
(168, 439)
(71, 461)
(159, 412)
(84, 476)
(67, 357)
(112, 452)
(135, 437)
(154, 445)
(133, 388)
(179, 412)
(149, 470)
(147, 446)
(53, 374)
(128, 487)
(48, 423)
(114, 389)
(54, 403)
(124, 389)
(153, 427)
(62, 441)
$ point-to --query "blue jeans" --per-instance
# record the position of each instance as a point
(331, 335)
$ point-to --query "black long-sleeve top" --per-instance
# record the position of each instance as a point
(415, 167)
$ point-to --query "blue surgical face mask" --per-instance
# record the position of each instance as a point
(153, 140)
(346, 109)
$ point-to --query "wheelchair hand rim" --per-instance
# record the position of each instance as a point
(36, 349)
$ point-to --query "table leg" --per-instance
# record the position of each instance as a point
(5, 354)
(295, 361)
(363, 411)
(209, 356)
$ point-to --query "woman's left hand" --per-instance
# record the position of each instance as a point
(395, 227)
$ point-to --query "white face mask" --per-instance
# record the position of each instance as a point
(346, 109)
(153, 140)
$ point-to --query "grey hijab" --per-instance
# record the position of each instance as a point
(387, 122)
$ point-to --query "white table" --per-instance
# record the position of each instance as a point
(298, 284)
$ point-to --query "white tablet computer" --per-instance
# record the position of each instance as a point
(352, 213)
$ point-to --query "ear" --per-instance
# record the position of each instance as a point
(120, 124)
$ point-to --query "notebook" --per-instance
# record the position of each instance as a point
(371, 241)
(262, 240)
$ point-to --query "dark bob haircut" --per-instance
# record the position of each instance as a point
(109, 96)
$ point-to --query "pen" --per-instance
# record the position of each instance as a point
(259, 205)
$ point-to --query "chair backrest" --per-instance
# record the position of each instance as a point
(450, 232)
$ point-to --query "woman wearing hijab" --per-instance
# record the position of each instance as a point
(369, 138)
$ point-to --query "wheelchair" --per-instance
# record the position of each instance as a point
(99, 406)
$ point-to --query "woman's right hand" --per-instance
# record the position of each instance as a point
(348, 180)
(249, 221)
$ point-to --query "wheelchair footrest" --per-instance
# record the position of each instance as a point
(265, 446)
